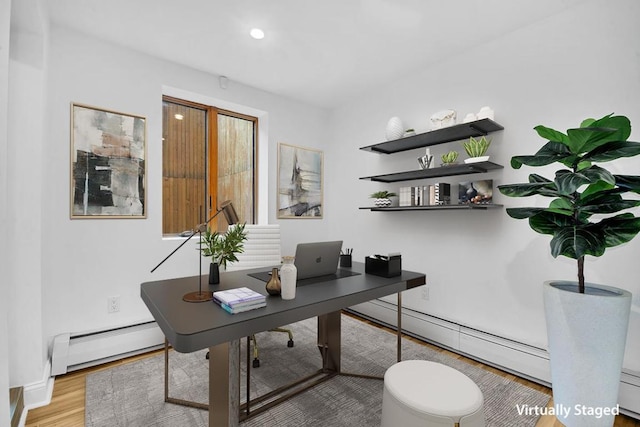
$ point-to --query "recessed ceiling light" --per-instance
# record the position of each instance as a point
(257, 33)
(178, 116)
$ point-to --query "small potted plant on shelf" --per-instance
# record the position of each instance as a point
(450, 158)
(382, 198)
(222, 248)
(586, 322)
(409, 132)
(476, 149)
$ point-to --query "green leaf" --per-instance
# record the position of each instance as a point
(547, 222)
(582, 140)
(552, 134)
(528, 189)
(628, 182)
(597, 174)
(619, 229)
(622, 125)
(568, 182)
(523, 213)
(613, 150)
(576, 242)
(550, 153)
(605, 202)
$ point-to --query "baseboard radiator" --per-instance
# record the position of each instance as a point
(77, 351)
(521, 359)
(71, 353)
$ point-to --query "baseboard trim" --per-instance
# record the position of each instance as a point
(518, 358)
(39, 393)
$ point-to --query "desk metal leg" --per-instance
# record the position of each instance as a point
(329, 340)
(224, 384)
(399, 328)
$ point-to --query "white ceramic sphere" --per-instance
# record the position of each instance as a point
(394, 129)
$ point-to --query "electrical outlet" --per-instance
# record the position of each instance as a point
(113, 304)
(425, 293)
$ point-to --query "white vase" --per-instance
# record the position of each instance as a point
(486, 113)
(394, 129)
(587, 335)
(288, 278)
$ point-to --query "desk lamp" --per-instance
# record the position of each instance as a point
(232, 218)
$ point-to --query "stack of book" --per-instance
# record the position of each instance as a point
(238, 300)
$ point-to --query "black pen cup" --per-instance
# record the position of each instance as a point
(345, 260)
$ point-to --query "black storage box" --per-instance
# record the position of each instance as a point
(390, 267)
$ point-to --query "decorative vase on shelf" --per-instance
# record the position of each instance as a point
(394, 129)
(486, 113)
(288, 277)
(274, 286)
(214, 273)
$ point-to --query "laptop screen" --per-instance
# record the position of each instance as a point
(317, 258)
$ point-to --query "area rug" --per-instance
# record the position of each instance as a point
(133, 394)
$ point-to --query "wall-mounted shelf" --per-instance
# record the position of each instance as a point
(469, 206)
(435, 137)
(461, 169)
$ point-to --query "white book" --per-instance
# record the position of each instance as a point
(234, 297)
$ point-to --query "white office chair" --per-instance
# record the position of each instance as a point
(261, 249)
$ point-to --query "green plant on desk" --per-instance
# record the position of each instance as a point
(223, 248)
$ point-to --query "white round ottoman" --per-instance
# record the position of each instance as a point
(419, 393)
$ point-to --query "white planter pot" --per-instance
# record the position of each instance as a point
(382, 203)
(587, 334)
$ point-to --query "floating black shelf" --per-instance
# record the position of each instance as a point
(461, 169)
(435, 137)
(470, 206)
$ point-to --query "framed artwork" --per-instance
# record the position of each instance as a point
(299, 182)
(475, 192)
(108, 163)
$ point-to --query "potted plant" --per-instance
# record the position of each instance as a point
(450, 158)
(586, 323)
(476, 149)
(222, 248)
(382, 198)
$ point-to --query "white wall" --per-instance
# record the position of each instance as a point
(85, 261)
(5, 14)
(485, 269)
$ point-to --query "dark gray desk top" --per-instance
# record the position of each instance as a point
(194, 326)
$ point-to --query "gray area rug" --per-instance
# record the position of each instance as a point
(133, 394)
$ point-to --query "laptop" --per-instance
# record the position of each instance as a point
(317, 258)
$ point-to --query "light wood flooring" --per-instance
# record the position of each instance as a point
(67, 403)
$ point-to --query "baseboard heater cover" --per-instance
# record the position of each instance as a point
(70, 353)
(518, 358)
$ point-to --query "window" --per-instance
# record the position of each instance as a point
(208, 156)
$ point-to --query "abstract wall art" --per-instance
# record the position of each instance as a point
(299, 182)
(108, 158)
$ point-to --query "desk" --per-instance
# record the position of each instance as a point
(194, 326)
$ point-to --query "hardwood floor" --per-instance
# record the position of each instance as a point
(67, 403)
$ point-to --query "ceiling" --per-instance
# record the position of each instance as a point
(322, 52)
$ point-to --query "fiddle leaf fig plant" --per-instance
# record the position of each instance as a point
(580, 189)
(222, 248)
